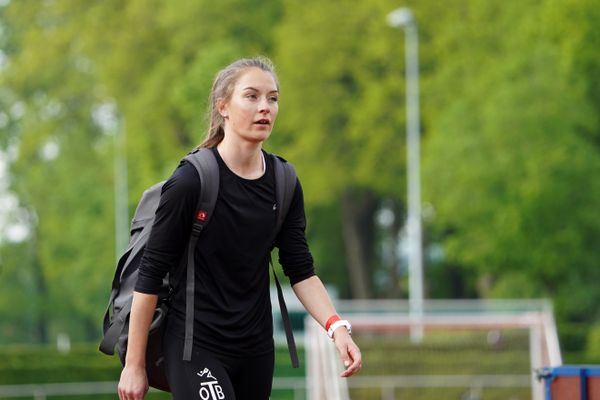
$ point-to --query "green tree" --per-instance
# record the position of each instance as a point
(509, 165)
(58, 173)
(66, 60)
(340, 71)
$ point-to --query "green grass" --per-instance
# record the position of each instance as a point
(448, 353)
(84, 363)
(394, 355)
(439, 354)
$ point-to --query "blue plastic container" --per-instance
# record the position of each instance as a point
(571, 382)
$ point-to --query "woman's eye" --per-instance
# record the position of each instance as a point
(251, 96)
(274, 99)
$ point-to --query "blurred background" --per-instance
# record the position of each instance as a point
(100, 99)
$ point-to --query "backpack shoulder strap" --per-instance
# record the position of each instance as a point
(285, 185)
(205, 163)
(208, 170)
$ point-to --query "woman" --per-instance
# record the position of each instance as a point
(233, 353)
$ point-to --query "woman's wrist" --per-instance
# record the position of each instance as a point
(331, 320)
(133, 361)
(334, 323)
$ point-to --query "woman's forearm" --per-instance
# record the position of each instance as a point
(142, 311)
(312, 294)
(314, 297)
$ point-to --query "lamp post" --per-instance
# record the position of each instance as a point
(403, 17)
(106, 117)
(121, 210)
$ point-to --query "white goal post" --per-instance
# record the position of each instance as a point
(392, 318)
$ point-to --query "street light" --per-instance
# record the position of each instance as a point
(403, 18)
(106, 117)
(121, 207)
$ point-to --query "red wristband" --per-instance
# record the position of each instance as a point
(331, 320)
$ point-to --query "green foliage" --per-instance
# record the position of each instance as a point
(41, 364)
(59, 173)
(18, 289)
(508, 166)
(339, 67)
(67, 59)
(594, 341)
(327, 246)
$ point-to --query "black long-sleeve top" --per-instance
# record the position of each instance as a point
(232, 304)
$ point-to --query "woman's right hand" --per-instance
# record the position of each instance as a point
(133, 384)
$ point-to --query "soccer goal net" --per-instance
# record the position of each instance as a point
(464, 350)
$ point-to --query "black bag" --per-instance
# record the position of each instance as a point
(116, 317)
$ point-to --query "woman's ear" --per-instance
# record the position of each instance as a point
(222, 108)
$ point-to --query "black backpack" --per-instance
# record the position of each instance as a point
(116, 318)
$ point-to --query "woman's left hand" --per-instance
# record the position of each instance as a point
(349, 352)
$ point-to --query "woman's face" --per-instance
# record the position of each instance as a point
(252, 109)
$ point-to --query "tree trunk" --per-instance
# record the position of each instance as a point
(40, 324)
(38, 288)
(357, 226)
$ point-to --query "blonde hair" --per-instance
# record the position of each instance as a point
(222, 89)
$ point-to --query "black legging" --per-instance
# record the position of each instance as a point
(210, 376)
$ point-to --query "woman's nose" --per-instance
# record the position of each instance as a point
(264, 106)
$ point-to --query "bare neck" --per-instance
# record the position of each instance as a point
(245, 160)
